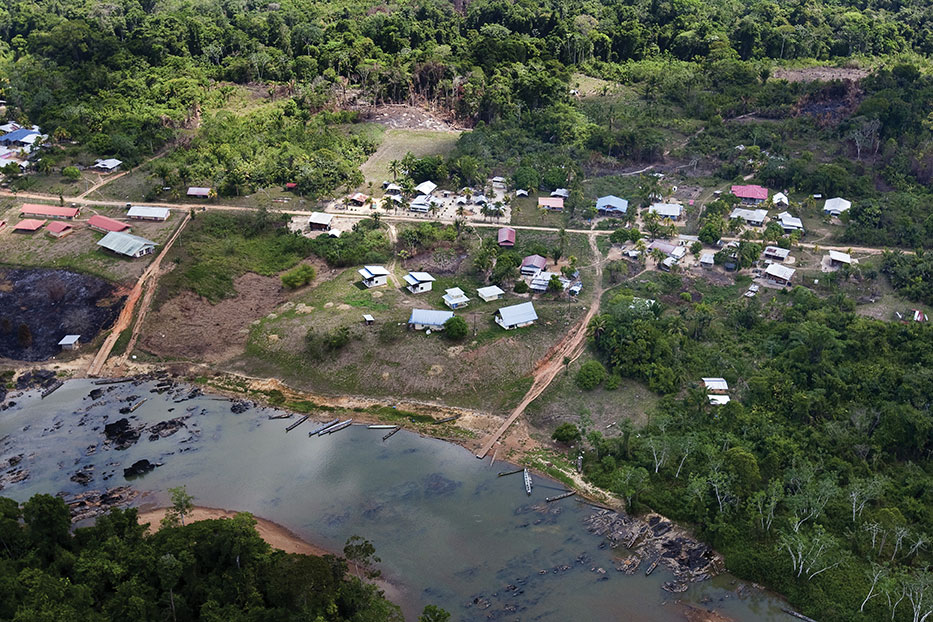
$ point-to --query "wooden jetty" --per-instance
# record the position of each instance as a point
(338, 427)
(653, 565)
(527, 477)
(380, 426)
(447, 420)
(799, 616)
(559, 497)
(323, 427)
(504, 473)
(52, 389)
(138, 404)
(397, 428)
(297, 423)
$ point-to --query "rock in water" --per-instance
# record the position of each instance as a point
(121, 434)
(140, 467)
(239, 406)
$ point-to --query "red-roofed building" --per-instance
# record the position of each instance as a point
(105, 225)
(49, 211)
(506, 236)
(359, 198)
(751, 193)
(59, 229)
(29, 225)
(551, 203)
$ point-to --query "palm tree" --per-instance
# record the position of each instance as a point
(657, 254)
(395, 167)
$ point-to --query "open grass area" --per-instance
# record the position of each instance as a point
(525, 212)
(396, 143)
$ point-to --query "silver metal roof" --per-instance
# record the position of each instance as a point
(141, 211)
(429, 317)
(125, 243)
(518, 314)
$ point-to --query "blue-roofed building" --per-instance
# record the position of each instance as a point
(374, 276)
(611, 204)
(21, 137)
(516, 316)
(419, 282)
(421, 319)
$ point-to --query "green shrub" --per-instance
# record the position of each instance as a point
(567, 433)
(302, 275)
(612, 382)
(591, 374)
(521, 287)
(456, 328)
(71, 173)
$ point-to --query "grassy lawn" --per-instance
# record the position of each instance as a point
(525, 212)
(396, 143)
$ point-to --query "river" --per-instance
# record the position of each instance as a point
(448, 530)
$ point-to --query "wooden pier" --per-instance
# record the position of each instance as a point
(559, 497)
(297, 423)
(52, 389)
(380, 426)
(323, 427)
(397, 428)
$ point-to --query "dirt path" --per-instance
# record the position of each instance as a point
(570, 347)
(126, 314)
(104, 181)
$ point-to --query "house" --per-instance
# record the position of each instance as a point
(126, 244)
(718, 400)
(480, 199)
(140, 212)
(498, 181)
(48, 211)
(555, 204)
(836, 206)
(201, 193)
(532, 264)
(541, 280)
(358, 199)
(750, 194)
(374, 276)
(707, 260)
(59, 229)
(752, 217)
(671, 211)
(779, 273)
(671, 250)
(561, 192)
(516, 316)
(716, 385)
(611, 204)
(21, 137)
(780, 200)
(28, 225)
(488, 294)
(419, 282)
(69, 342)
(432, 319)
(837, 259)
(104, 224)
(420, 204)
(107, 166)
(393, 189)
(789, 223)
(426, 187)
(320, 221)
(395, 198)
(455, 298)
(521, 193)
(776, 253)
(507, 237)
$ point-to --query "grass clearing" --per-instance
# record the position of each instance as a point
(525, 212)
(397, 142)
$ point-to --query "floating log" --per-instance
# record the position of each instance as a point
(297, 423)
(799, 616)
(504, 473)
(338, 427)
(52, 389)
(653, 565)
(381, 426)
(559, 497)
(447, 420)
(323, 427)
(113, 381)
(138, 404)
(397, 428)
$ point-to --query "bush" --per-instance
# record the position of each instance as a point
(302, 275)
(456, 328)
(71, 173)
(612, 382)
(591, 374)
(318, 344)
(567, 433)
(521, 287)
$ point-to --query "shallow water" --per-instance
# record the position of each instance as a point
(449, 531)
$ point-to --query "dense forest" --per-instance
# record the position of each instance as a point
(816, 478)
(215, 570)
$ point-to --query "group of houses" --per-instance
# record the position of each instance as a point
(18, 143)
(117, 238)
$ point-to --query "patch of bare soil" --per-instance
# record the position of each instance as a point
(190, 327)
(830, 104)
(440, 261)
(405, 117)
(822, 74)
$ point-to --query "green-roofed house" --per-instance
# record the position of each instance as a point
(126, 244)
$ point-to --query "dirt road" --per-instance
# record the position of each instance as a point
(570, 347)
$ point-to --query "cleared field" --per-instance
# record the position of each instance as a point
(525, 212)
(397, 142)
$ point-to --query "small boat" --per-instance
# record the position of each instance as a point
(381, 426)
(675, 587)
(323, 427)
(391, 432)
(527, 476)
(653, 565)
(630, 564)
(338, 427)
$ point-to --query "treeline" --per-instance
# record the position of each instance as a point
(816, 478)
(216, 570)
(910, 275)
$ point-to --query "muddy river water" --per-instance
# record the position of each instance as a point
(449, 531)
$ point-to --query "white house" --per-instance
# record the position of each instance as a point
(107, 166)
(419, 282)
(776, 253)
(143, 212)
(707, 260)
(780, 200)
(837, 259)
(126, 244)
(393, 189)
(790, 223)
(455, 298)
(374, 276)
(69, 342)
(320, 221)
(671, 211)
(836, 206)
(718, 400)
(488, 294)
(562, 193)
(752, 217)
(433, 319)
(426, 187)
(516, 316)
(541, 280)
(716, 385)
(779, 273)
(420, 204)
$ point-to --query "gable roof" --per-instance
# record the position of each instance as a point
(535, 261)
(197, 191)
(716, 384)
(836, 205)
(370, 271)
(518, 314)
(320, 218)
(124, 243)
(790, 221)
(754, 215)
(611, 203)
(551, 202)
(841, 257)
(429, 317)
(561, 192)
(777, 251)
(49, 210)
(18, 135)
(780, 271)
(491, 290)
(108, 163)
(107, 224)
(58, 226)
(413, 278)
(750, 191)
(142, 211)
(426, 187)
(506, 234)
(670, 210)
(780, 198)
